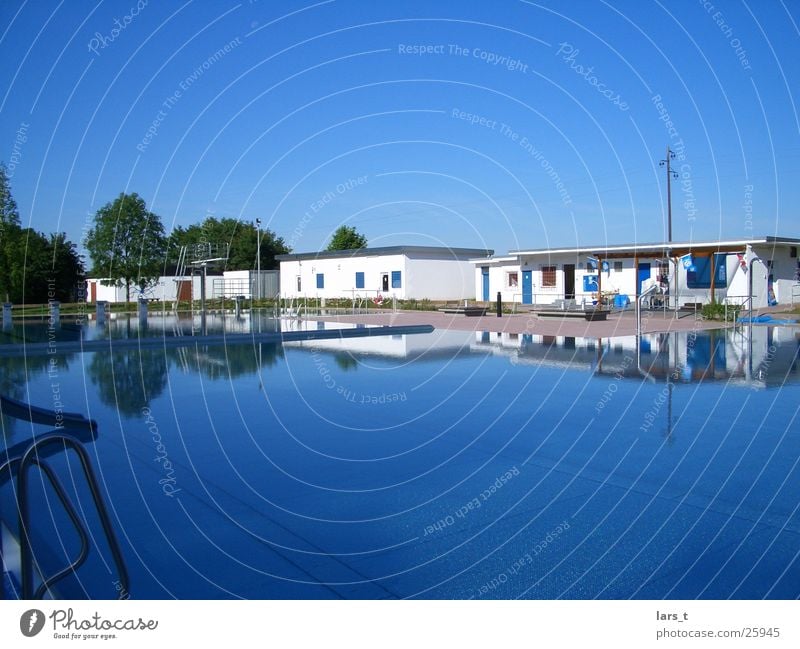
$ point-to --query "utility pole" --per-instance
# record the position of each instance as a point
(670, 175)
(258, 260)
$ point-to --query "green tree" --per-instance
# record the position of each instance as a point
(8, 206)
(127, 244)
(31, 267)
(241, 236)
(9, 234)
(41, 267)
(34, 267)
(347, 238)
(9, 250)
(67, 266)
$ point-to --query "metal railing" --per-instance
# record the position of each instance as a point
(639, 301)
(296, 306)
(24, 456)
(359, 304)
(276, 305)
(745, 300)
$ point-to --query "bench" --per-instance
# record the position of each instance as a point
(588, 314)
(464, 310)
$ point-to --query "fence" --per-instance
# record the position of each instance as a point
(357, 304)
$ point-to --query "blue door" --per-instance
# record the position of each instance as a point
(644, 273)
(527, 287)
(485, 274)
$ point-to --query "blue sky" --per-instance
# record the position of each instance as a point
(499, 124)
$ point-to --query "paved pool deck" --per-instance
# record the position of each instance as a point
(617, 324)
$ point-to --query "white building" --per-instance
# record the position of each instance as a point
(543, 276)
(167, 287)
(403, 272)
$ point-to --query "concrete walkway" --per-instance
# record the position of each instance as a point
(618, 324)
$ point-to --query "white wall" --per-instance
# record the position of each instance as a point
(784, 271)
(438, 279)
(104, 293)
(784, 289)
(420, 277)
(340, 276)
(626, 280)
(498, 281)
(738, 280)
(164, 288)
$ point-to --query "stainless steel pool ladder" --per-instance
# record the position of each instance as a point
(359, 304)
(27, 454)
(639, 300)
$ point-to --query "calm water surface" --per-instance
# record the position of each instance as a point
(445, 465)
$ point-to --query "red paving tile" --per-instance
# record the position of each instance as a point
(618, 324)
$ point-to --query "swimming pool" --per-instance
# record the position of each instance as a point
(444, 465)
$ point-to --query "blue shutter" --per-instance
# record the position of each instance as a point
(396, 279)
(359, 280)
(320, 280)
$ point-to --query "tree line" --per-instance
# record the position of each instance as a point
(127, 246)
(34, 266)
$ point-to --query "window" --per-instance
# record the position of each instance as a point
(359, 280)
(793, 252)
(548, 276)
(299, 284)
(590, 266)
(513, 280)
(617, 266)
(396, 279)
(663, 272)
(320, 280)
(700, 277)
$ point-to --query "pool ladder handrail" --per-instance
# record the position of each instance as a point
(359, 304)
(26, 454)
(639, 300)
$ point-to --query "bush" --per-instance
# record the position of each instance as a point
(716, 311)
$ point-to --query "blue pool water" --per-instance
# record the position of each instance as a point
(445, 465)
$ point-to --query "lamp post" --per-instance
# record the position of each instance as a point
(670, 175)
(258, 260)
(666, 162)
